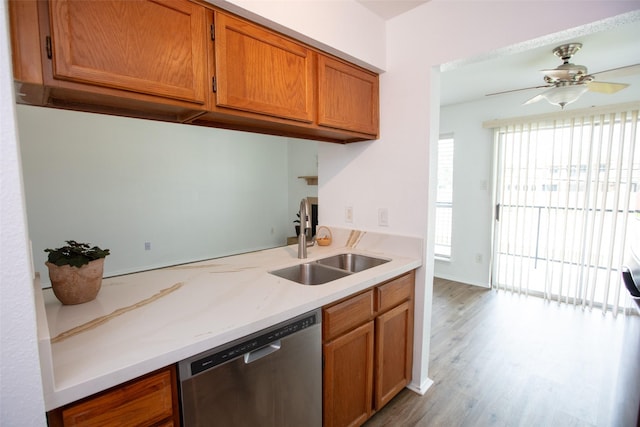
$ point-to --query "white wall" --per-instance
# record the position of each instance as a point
(21, 397)
(344, 28)
(192, 192)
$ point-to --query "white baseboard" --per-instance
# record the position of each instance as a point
(422, 388)
(462, 280)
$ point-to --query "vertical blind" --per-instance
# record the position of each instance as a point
(567, 188)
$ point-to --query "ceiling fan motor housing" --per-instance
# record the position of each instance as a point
(567, 73)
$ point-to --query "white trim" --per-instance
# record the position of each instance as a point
(422, 388)
(557, 115)
(463, 281)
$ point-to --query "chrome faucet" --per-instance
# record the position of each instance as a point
(305, 224)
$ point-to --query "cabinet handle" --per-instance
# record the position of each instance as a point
(48, 47)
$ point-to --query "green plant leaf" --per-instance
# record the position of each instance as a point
(75, 254)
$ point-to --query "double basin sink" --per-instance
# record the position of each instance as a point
(328, 269)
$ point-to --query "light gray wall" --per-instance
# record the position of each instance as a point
(192, 192)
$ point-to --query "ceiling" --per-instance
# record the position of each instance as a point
(519, 67)
(387, 9)
(605, 46)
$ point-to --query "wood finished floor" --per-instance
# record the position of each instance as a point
(499, 359)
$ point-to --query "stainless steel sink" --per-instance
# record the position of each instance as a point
(352, 263)
(328, 269)
(310, 273)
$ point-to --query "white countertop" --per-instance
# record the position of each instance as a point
(144, 321)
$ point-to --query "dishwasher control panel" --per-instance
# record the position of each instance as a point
(253, 342)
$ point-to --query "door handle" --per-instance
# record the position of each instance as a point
(498, 212)
(252, 356)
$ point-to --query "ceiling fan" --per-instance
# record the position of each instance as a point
(567, 82)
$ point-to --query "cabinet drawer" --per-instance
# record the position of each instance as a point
(346, 315)
(394, 292)
(141, 402)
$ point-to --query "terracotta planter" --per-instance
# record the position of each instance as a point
(73, 285)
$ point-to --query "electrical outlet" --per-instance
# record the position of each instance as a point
(147, 246)
(348, 214)
(479, 258)
(383, 217)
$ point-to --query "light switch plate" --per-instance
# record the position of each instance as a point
(383, 217)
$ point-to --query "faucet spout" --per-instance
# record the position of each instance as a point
(305, 224)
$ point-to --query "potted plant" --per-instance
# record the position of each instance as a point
(76, 271)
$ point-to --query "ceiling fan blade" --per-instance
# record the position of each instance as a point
(619, 72)
(518, 90)
(538, 97)
(606, 87)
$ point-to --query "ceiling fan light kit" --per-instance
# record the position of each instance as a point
(567, 82)
(563, 95)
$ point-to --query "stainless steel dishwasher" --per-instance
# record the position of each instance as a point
(270, 378)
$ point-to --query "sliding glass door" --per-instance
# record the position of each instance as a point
(566, 190)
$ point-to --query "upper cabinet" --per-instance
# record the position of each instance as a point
(186, 61)
(138, 58)
(153, 47)
(259, 71)
(347, 97)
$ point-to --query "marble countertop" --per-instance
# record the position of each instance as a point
(144, 321)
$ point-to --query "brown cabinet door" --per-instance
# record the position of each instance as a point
(348, 378)
(262, 72)
(394, 352)
(150, 400)
(348, 97)
(155, 47)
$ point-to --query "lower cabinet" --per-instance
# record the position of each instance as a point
(151, 400)
(348, 371)
(394, 346)
(367, 351)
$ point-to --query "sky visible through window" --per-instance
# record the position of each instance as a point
(444, 198)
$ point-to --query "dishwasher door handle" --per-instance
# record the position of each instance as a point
(252, 356)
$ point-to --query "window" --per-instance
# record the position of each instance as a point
(569, 240)
(444, 197)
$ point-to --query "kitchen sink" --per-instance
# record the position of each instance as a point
(310, 273)
(352, 263)
(328, 269)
